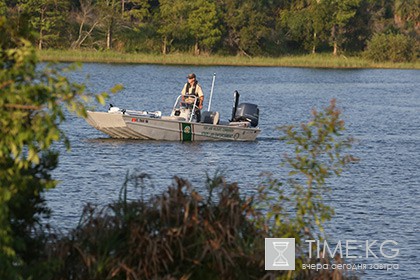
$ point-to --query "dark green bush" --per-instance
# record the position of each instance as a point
(391, 47)
(401, 48)
(176, 235)
(179, 234)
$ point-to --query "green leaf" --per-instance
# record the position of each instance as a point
(117, 88)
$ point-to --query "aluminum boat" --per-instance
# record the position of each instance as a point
(183, 124)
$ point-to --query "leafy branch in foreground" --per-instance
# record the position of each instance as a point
(32, 105)
(318, 148)
(318, 155)
(296, 206)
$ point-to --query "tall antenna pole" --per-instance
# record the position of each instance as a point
(211, 91)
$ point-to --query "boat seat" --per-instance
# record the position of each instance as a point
(210, 117)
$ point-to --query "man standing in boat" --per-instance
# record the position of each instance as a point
(192, 87)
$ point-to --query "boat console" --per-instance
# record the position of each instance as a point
(184, 109)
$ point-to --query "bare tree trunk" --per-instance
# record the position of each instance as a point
(164, 45)
(110, 28)
(109, 35)
(334, 32)
(41, 30)
(88, 16)
(40, 39)
(314, 46)
(196, 48)
(76, 44)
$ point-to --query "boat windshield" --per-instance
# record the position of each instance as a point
(185, 106)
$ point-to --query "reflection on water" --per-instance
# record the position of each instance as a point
(376, 199)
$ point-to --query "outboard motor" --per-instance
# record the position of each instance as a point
(247, 112)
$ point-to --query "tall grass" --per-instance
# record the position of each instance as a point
(179, 234)
(313, 60)
(176, 235)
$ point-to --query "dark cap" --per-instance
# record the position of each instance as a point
(190, 76)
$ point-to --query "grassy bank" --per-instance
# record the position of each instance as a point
(313, 61)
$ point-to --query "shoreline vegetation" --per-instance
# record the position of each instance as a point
(304, 61)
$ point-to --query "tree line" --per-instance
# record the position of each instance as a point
(245, 27)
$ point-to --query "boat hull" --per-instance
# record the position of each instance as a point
(167, 129)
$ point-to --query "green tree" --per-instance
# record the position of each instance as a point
(102, 18)
(381, 15)
(32, 104)
(138, 13)
(137, 28)
(407, 15)
(120, 16)
(87, 17)
(306, 23)
(47, 18)
(358, 30)
(172, 18)
(342, 12)
(318, 147)
(247, 25)
(203, 24)
(3, 8)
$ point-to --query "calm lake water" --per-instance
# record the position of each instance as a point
(376, 199)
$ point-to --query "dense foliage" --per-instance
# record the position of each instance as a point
(180, 234)
(391, 47)
(32, 104)
(246, 27)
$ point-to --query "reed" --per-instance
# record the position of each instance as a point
(179, 234)
(308, 61)
(176, 235)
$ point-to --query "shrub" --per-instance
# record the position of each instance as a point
(391, 47)
(176, 235)
(377, 48)
(401, 48)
